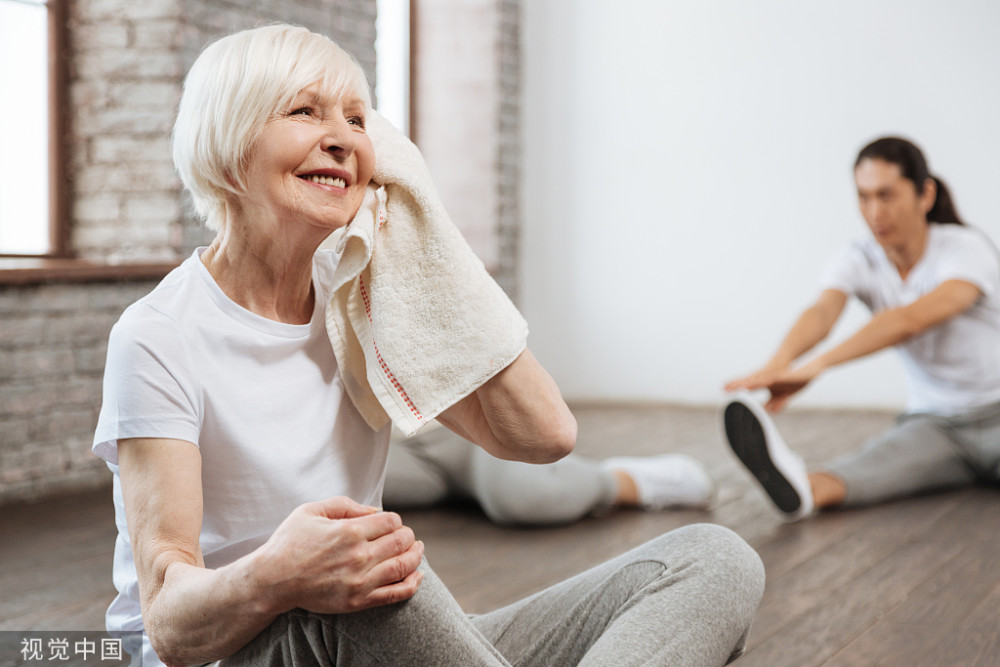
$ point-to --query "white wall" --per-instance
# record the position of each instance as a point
(687, 174)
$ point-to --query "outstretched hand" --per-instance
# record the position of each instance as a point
(786, 385)
(759, 379)
(338, 556)
(782, 384)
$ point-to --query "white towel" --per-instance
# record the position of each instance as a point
(415, 320)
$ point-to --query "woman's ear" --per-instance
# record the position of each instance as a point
(929, 195)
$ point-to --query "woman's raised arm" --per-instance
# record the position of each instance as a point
(518, 415)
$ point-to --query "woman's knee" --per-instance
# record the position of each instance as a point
(509, 501)
(724, 557)
(524, 494)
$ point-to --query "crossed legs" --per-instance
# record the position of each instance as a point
(685, 598)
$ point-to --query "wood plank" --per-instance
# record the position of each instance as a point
(56, 563)
(975, 641)
(820, 578)
(937, 608)
(843, 614)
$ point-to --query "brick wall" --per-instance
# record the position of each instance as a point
(53, 340)
(467, 98)
(508, 161)
(127, 61)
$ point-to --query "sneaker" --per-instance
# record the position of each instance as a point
(756, 442)
(668, 480)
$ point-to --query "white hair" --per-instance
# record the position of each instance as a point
(233, 88)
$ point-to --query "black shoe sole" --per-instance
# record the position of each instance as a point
(746, 438)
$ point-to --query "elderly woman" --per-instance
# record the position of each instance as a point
(246, 480)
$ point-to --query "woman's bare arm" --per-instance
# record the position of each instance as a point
(883, 330)
(333, 556)
(897, 325)
(811, 327)
(518, 415)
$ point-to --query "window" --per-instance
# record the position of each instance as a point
(30, 215)
(392, 67)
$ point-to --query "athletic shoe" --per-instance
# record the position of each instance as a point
(758, 445)
(668, 480)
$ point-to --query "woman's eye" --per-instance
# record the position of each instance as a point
(357, 120)
(302, 111)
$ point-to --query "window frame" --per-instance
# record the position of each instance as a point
(60, 264)
(58, 223)
(59, 214)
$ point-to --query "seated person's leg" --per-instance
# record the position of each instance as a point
(574, 487)
(430, 469)
(422, 471)
(428, 629)
(511, 492)
(689, 595)
(915, 456)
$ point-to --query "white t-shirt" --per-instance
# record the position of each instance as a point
(955, 366)
(262, 400)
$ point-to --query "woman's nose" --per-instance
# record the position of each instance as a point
(339, 138)
(878, 210)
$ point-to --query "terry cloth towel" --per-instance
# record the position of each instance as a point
(415, 320)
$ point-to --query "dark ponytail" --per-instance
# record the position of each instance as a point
(912, 164)
(943, 210)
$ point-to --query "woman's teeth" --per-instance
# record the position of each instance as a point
(326, 180)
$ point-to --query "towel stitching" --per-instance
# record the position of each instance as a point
(381, 361)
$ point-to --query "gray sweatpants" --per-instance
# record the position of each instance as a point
(685, 598)
(923, 453)
(428, 470)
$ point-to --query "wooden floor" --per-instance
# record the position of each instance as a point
(909, 583)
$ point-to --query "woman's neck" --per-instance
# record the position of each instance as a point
(268, 274)
(906, 255)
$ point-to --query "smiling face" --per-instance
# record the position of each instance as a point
(311, 163)
(896, 212)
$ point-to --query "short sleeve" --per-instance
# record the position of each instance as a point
(844, 271)
(970, 256)
(150, 389)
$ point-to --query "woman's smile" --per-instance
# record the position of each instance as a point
(314, 162)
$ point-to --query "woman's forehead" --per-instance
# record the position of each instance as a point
(875, 174)
(323, 94)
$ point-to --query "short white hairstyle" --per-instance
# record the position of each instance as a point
(233, 88)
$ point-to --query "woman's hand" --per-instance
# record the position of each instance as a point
(759, 379)
(338, 556)
(329, 556)
(785, 385)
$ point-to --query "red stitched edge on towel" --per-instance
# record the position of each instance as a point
(381, 362)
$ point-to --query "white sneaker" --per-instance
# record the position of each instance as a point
(756, 442)
(668, 480)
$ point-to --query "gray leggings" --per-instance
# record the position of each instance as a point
(685, 598)
(924, 453)
(430, 469)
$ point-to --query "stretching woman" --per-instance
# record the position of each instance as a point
(932, 285)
